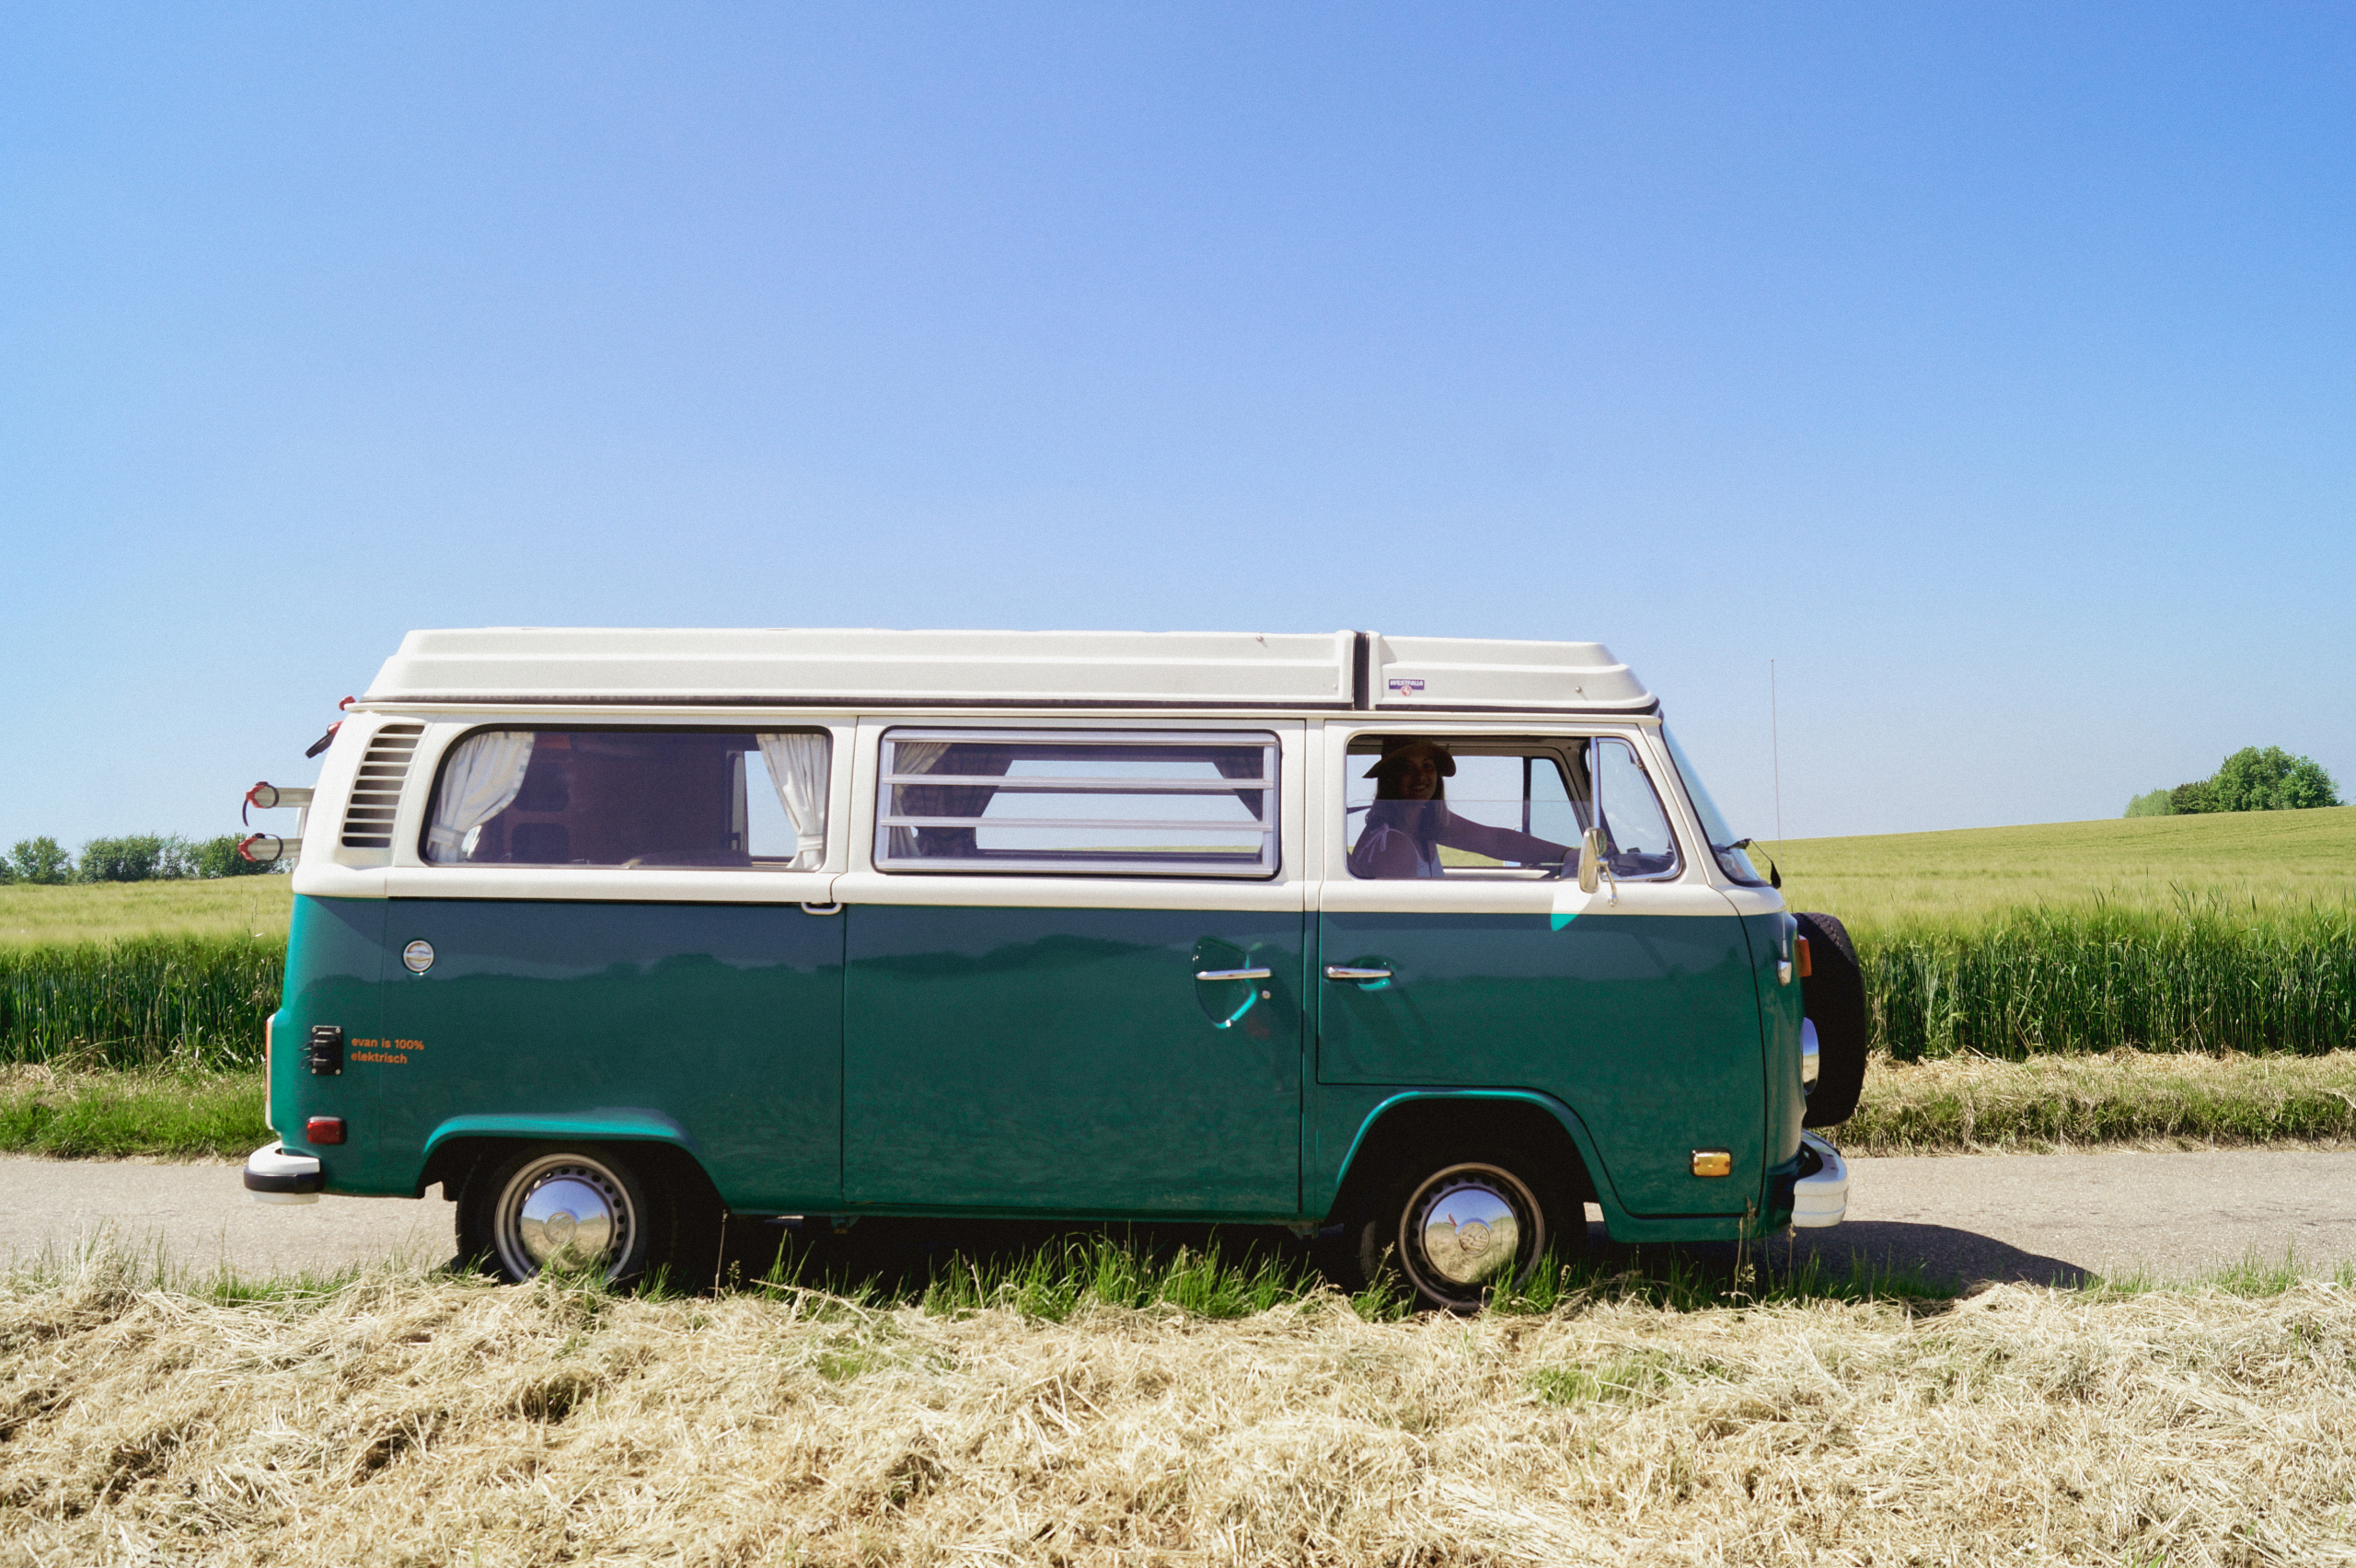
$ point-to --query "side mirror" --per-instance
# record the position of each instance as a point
(1591, 860)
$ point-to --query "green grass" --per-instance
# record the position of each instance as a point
(1922, 883)
(182, 1114)
(145, 1001)
(223, 907)
(1060, 1279)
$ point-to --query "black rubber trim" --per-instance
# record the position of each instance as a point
(301, 1181)
(1362, 673)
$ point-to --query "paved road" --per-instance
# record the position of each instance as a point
(2047, 1218)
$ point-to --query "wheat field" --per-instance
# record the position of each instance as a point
(33, 915)
(2272, 862)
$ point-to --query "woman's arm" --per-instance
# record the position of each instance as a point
(1498, 843)
(1388, 854)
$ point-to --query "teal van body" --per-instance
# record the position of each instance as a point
(847, 1030)
(1051, 1061)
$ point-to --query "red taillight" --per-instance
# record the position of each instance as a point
(323, 1130)
(1804, 965)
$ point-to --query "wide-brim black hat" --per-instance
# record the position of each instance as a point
(1395, 744)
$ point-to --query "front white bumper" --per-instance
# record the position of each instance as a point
(1820, 1196)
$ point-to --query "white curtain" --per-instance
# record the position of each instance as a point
(798, 769)
(479, 781)
(909, 756)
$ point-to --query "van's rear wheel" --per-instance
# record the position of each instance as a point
(575, 1210)
(1460, 1226)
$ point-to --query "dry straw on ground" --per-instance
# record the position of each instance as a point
(412, 1419)
(2158, 1100)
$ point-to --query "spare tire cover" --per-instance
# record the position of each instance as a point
(1833, 997)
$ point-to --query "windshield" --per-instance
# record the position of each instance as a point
(1732, 861)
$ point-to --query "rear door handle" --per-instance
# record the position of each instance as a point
(1344, 971)
(1233, 974)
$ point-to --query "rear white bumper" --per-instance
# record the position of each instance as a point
(274, 1176)
(1820, 1196)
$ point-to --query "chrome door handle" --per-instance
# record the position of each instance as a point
(1344, 971)
(1233, 974)
(809, 908)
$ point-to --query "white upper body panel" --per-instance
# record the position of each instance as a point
(505, 665)
(443, 686)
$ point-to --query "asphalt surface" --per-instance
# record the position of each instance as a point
(2051, 1218)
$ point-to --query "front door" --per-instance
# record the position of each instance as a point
(1457, 957)
(1075, 983)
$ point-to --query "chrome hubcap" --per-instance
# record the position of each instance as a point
(1468, 1227)
(564, 1212)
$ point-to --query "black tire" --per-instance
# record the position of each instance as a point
(624, 1230)
(1395, 1232)
(1833, 999)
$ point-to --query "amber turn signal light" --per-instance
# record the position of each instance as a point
(323, 1130)
(1803, 956)
(1713, 1162)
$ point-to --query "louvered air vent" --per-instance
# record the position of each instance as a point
(368, 821)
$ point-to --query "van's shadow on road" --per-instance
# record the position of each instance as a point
(898, 1257)
(1937, 1254)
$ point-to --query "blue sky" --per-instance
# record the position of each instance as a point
(1987, 367)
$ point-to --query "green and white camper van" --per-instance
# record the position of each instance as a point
(1424, 944)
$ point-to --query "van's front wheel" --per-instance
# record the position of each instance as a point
(575, 1210)
(1458, 1229)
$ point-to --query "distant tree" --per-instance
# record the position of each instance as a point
(176, 858)
(127, 859)
(42, 860)
(2305, 787)
(2268, 778)
(2156, 803)
(2186, 799)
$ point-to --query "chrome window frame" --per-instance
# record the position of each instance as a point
(1513, 743)
(1267, 867)
(433, 791)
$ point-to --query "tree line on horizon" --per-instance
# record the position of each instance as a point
(139, 857)
(2255, 779)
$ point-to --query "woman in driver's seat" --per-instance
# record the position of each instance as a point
(1410, 820)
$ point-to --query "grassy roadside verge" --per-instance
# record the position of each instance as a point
(2174, 1100)
(111, 1113)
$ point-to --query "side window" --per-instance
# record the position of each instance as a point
(1468, 806)
(1488, 806)
(1637, 842)
(754, 801)
(1151, 803)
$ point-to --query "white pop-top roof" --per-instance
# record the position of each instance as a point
(792, 666)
